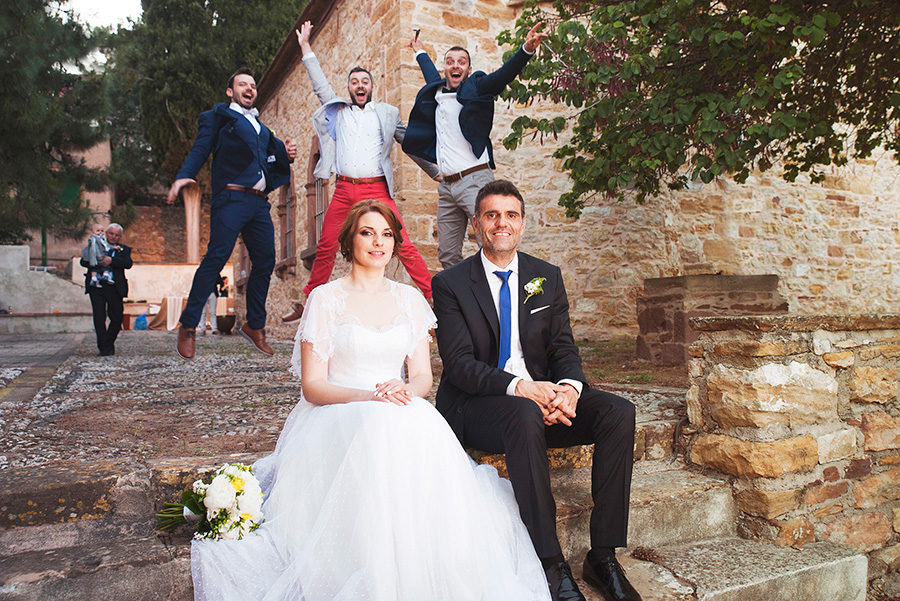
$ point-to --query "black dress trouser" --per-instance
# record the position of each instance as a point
(106, 302)
(514, 425)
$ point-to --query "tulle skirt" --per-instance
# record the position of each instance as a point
(374, 502)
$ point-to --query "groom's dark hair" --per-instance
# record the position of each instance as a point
(241, 71)
(499, 187)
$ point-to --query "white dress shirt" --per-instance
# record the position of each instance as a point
(515, 365)
(251, 115)
(454, 153)
(359, 143)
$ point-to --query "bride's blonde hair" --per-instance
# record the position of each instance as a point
(351, 223)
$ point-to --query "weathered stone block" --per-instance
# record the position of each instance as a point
(890, 556)
(795, 533)
(878, 489)
(830, 474)
(865, 532)
(753, 348)
(836, 445)
(842, 359)
(825, 492)
(881, 431)
(896, 519)
(873, 384)
(768, 503)
(694, 407)
(857, 468)
(766, 459)
(771, 394)
(884, 350)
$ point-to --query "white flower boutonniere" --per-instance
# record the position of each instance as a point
(534, 286)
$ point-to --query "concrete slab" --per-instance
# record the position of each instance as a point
(744, 570)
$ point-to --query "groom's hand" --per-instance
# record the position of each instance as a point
(539, 392)
(562, 408)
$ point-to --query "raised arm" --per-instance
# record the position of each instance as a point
(429, 71)
(493, 83)
(320, 84)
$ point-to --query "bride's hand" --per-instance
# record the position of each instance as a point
(393, 391)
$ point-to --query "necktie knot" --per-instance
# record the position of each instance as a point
(503, 275)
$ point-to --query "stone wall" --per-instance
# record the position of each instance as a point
(802, 413)
(835, 246)
(157, 234)
(665, 309)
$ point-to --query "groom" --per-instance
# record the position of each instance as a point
(513, 383)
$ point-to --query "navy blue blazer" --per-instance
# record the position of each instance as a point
(476, 94)
(240, 155)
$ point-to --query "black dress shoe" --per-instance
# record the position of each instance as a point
(562, 584)
(608, 577)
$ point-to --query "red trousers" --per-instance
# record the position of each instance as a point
(345, 196)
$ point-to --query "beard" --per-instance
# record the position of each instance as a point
(356, 102)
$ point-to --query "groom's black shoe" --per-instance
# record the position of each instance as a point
(562, 584)
(607, 576)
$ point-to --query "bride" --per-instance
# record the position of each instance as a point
(369, 496)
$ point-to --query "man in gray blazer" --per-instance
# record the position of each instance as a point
(355, 141)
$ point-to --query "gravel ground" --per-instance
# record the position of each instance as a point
(146, 402)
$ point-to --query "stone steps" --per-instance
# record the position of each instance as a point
(683, 521)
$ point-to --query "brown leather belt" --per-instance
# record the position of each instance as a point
(362, 180)
(454, 177)
(238, 188)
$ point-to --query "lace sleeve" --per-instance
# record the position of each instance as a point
(420, 315)
(316, 327)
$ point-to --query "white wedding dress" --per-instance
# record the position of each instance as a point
(371, 501)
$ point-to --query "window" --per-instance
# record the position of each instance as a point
(317, 199)
(287, 220)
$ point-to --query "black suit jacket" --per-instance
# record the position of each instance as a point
(476, 94)
(468, 334)
(121, 260)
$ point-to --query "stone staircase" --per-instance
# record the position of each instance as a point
(85, 532)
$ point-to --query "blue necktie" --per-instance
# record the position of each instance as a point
(505, 319)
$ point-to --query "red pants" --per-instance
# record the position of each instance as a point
(345, 196)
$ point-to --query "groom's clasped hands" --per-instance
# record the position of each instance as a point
(557, 401)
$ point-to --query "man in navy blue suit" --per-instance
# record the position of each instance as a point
(248, 163)
(450, 124)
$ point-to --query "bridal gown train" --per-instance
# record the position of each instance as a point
(371, 501)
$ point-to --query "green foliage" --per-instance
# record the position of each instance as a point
(175, 63)
(671, 91)
(48, 113)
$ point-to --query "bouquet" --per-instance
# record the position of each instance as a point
(227, 508)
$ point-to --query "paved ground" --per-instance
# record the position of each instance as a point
(61, 402)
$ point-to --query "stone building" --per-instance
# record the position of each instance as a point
(835, 246)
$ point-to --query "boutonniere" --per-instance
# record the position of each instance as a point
(534, 286)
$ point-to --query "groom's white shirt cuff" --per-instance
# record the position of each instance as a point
(511, 389)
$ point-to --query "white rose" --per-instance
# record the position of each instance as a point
(250, 504)
(229, 533)
(219, 494)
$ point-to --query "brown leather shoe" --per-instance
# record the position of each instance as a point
(258, 338)
(294, 315)
(186, 343)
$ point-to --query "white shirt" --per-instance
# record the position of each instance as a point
(359, 142)
(515, 365)
(454, 153)
(251, 114)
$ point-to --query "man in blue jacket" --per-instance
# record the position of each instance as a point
(248, 163)
(450, 124)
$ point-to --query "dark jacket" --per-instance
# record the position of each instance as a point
(121, 260)
(240, 155)
(476, 94)
(468, 334)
